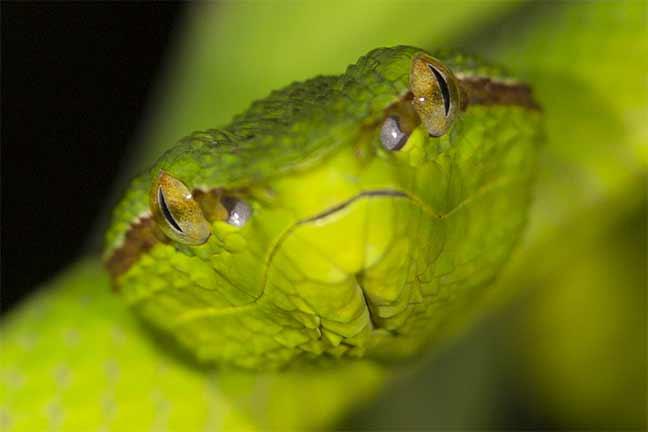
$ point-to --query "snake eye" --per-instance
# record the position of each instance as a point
(392, 136)
(239, 211)
(436, 95)
(176, 212)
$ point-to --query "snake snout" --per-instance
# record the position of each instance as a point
(350, 265)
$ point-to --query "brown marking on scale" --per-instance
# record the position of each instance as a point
(140, 238)
(143, 234)
(486, 91)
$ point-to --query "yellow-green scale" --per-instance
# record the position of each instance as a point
(378, 276)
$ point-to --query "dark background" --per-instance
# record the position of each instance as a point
(75, 83)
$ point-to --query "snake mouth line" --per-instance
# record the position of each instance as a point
(332, 210)
(323, 215)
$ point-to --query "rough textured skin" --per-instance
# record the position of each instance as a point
(279, 289)
(380, 277)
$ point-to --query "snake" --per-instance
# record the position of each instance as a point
(333, 230)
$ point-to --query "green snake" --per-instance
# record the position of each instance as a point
(336, 226)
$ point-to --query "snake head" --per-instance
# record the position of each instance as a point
(341, 217)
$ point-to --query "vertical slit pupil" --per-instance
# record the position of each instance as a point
(166, 212)
(443, 85)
